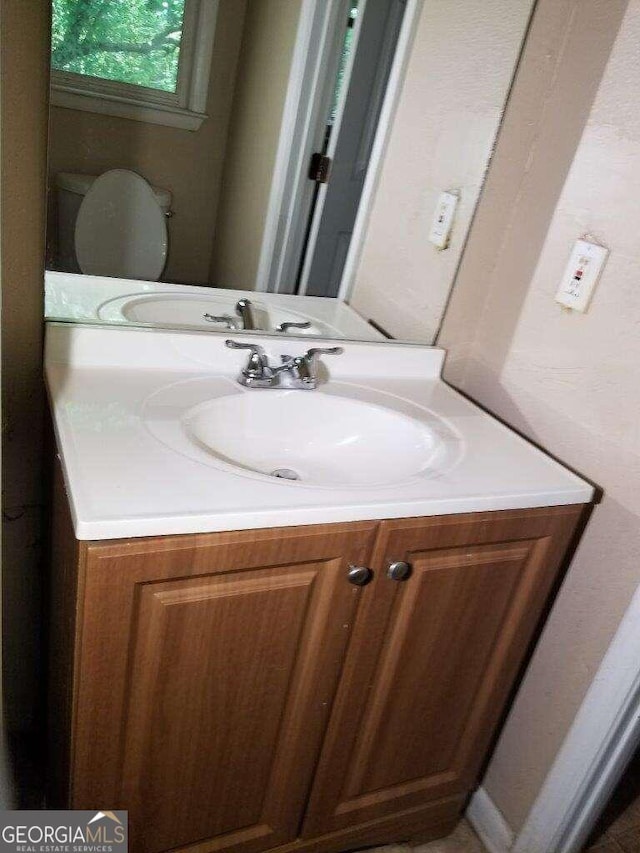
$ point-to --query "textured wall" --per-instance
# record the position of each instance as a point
(189, 163)
(24, 78)
(460, 68)
(566, 165)
(263, 75)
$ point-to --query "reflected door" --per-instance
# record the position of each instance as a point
(350, 133)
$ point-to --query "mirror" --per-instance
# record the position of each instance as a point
(311, 167)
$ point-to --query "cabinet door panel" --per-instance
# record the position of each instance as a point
(442, 634)
(212, 670)
(220, 663)
(432, 659)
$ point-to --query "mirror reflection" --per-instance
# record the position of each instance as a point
(301, 167)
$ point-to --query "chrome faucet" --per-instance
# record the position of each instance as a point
(245, 321)
(244, 309)
(295, 371)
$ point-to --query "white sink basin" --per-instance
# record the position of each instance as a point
(343, 436)
(188, 310)
(314, 438)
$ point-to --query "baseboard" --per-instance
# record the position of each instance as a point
(487, 820)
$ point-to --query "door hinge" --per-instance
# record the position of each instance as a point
(320, 168)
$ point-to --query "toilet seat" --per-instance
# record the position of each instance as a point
(121, 231)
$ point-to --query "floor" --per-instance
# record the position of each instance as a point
(618, 830)
(462, 840)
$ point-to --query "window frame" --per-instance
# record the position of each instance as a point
(184, 108)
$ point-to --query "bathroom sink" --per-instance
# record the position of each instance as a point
(173, 309)
(158, 437)
(343, 435)
(313, 438)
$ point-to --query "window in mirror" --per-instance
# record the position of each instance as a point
(345, 56)
(144, 59)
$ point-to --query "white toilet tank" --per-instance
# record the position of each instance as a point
(71, 189)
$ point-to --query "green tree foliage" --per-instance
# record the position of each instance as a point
(347, 46)
(131, 41)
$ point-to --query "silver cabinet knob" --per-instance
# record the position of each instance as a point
(399, 570)
(359, 575)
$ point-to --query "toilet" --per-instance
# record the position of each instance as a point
(112, 225)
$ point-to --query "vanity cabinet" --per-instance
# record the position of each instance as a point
(431, 662)
(236, 691)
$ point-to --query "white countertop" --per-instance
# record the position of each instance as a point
(103, 300)
(122, 481)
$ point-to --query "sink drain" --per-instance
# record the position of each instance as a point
(285, 474)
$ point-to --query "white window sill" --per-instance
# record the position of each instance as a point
(114, 106)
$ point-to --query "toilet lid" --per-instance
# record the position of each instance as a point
(121, 230)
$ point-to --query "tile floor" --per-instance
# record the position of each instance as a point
(620, 836)
(462, 840)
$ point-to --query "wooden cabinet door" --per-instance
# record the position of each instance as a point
(432, 659)
(207, 669)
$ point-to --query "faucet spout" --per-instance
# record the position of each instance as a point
(244, 309)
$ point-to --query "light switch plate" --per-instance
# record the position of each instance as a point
(581, 275)
(442, 224)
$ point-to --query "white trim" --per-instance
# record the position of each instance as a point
(298, 126)
(184, 108)
(331, 151)
(598, 746)
(301, 133)
(202, 56)
(488, 822)
(378, 151)
(114, 106)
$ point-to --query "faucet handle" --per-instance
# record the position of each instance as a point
(284, 327)
(305, 366)
(258, 362)
(256, 348)
(313, 354)
(228, 321)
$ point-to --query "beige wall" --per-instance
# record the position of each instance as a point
(24, 80)
(566, 166)
(189, 163)
(263, 73)
(459, 72)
